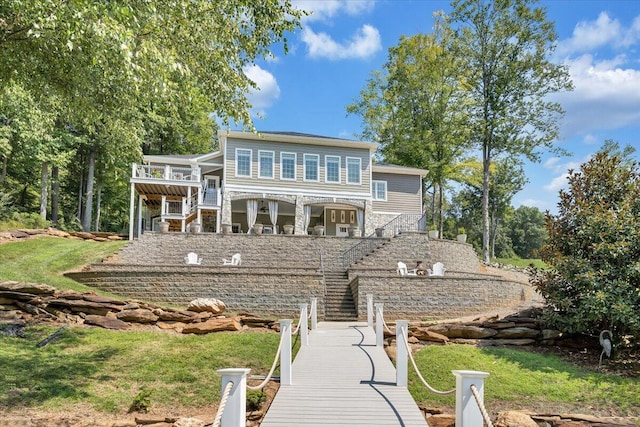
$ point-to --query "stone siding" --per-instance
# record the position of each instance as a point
(432, 298)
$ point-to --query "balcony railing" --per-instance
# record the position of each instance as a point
(166, 173)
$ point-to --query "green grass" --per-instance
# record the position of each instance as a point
(44, 259)
(523, 379)
(108, 369)
(522, 262)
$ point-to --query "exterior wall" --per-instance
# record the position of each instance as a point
(403, 193)
(298, 186)
(432, 298)
(254, 290)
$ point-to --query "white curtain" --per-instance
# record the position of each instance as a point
(252, 213)
(273, 213)
(360, 216)
(307, 217)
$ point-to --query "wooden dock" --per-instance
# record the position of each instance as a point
(343, 379)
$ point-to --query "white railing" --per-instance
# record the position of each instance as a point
(469, 391)
(232, 408)
(166, 173)
(173, 207)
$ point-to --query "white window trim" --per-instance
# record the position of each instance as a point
(273, 158)
(326, 169)
(346, 165)
(295, 162)
(250, 162)
(374, 192)
(304, 161)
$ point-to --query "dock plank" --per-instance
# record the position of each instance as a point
(343, 379)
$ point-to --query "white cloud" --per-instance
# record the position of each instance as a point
(324, 10)
(588, 35)
(590, 139)
(267, 91)
(606, 96)
(542, 205)
(551, 162)
(363, 44)
(557, 183)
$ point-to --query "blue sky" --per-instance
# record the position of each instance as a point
(343, 41)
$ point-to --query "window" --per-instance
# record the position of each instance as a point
(288, 166)
(265, 164)
(379, 190)
(332, 169)
(353, 170)
(311, 162)
(243, 162)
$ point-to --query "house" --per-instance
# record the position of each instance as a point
(277, 179)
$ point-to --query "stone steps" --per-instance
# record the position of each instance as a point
(338, 299)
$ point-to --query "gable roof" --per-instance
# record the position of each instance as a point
(397, 169)
(294, 138)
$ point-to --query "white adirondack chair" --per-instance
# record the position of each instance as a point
(403, 271)
(438, 269)
(192, 258)
(235, 260)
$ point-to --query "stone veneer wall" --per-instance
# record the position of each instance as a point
(245, 289)
(427, 298)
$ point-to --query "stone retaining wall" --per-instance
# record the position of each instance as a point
(255, 290)
(432, 298)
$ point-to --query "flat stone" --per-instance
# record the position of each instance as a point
(213, 325)
(210, 305)
(442, 420)
(457, 330)
(424, 334)
(514, 419)
(106, 322)
(517, 332)
(139, 315)
(29, 288)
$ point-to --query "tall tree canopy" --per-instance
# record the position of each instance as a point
(125, 76)
(506, 45)
(416, 108)
(594, 248)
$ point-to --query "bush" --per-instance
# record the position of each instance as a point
(594, 248)
(23, 220)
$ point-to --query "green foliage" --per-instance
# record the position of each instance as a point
(255, 399)
(506, 46)
(594, 248)
(141, 401)
(522, 379)
(527, 232)
(22, 220)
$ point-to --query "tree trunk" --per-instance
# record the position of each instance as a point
(88, 204)
(44, 184)
(486, 162)
(80, 190)
(3, 176)
(55, 195)
(98, 203)
(440, 214)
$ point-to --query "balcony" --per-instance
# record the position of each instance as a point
(165, 173)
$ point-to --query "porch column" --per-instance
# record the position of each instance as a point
(226, 209)
(299, 221)
(368, 217)
(139, 216)
(131, 210)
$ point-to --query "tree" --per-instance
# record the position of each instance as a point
(506, 44)
(125, 73)
(527, 232)
(594, 248)
(415, 109)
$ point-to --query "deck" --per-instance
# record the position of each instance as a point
(343, 379)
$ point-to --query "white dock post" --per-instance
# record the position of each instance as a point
(304, 326)
(234, 414)
(285, 352)
(467, 412)
(370, 310)
(402, 355)
(379, 325)
(314, 313)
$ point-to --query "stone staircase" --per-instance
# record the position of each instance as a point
(338, 299)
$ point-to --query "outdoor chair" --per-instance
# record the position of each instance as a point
(438, 269)
(403, 271)
(192, 258)
(235, 260)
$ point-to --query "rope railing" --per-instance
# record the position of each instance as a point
(273, 366)
(223, 404)
(483, 410)
(417, 371)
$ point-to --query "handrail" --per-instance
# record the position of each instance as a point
(401, 223)
(223, 404)
(273, 367)
(483, 410)
(415, 368)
